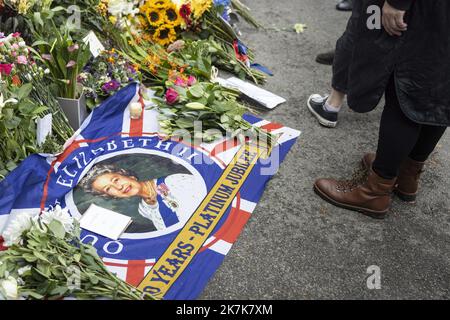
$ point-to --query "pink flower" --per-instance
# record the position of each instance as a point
(171, 96)
(6, 69)
(22, 60)
(73, 48)
(14, 54)
(70, 64)
(15, 46)
(191, 81)
(180, 82)
(16, 35)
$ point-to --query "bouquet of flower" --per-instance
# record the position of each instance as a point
(154, 62)
(210, 19)
(23, 99)
(189, 105)
(45, 259)
(65, 58)
(183, 75)
(105, 75)
(20, 15)
(163, 22)
(18, 111)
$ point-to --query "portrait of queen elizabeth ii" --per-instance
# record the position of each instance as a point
(164, 201)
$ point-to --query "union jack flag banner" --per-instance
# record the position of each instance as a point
(203, 195)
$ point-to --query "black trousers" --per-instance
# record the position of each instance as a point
(401, 137)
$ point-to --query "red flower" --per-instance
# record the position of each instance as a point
(171, 96)
(185, 13)
(2, 247)
(6, 69)
(16, 35)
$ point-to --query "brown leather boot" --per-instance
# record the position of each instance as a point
(408, 179)
(366, 193)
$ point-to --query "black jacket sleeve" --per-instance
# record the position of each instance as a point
(400, 4)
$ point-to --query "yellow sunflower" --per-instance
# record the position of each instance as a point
(160, 4)
(155, 17)
(199, 7)
(172, 17)
(165, 35)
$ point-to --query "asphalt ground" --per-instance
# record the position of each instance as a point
(295, 245)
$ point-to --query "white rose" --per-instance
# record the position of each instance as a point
(8, 289)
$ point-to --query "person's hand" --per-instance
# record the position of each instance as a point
(393, 20)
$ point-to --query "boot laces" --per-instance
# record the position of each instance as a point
(358, 178)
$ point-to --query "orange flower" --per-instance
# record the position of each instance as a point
(173, 75)
(16, 81)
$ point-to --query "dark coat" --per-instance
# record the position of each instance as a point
(419, 59)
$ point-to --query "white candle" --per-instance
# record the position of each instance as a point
(135, 110)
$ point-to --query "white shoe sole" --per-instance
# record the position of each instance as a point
(322, 121)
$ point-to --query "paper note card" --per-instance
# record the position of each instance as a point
(263, 97)
(43, 128)
(104, 222)
(95, 45)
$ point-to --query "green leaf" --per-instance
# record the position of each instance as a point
(26, 107)
(24, 91)
(40, 256)
(224, 118)
(93, 278)
(58, 8)
(59, 291)
(91, 251)
(11, 165)
(40, 43)
(57, 229)
(197, 91)
(12, 123)
(184, 123)
(37, 18)
(40, 109)
(62, 261)
(44, 269)
(29, 257)
(32, 294)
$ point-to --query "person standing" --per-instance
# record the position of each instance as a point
(327, 58)
(408, 59)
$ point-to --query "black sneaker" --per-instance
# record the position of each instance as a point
(326, 58)
(326, 118)
(345, 5)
